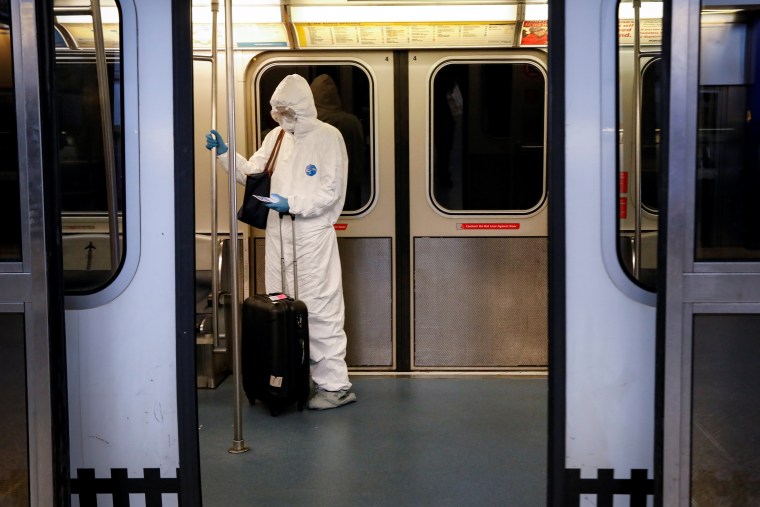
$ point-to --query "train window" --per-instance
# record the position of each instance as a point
(342, 94)
(487, 143)
(651, 122)
(89, 91)
(10, 204)
(640, 109)
(727, 156)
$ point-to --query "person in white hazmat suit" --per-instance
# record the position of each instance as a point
(310, 182)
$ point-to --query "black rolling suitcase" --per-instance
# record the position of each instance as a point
(275, 345)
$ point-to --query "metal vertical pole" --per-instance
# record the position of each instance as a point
(214, 191)
(107, 130)
(238, 443)
(637, 138)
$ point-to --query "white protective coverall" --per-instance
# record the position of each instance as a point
(311, 172)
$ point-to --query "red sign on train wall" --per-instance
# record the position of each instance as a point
(488, 227)
(623, 207)
(340, 227)
(623, 182)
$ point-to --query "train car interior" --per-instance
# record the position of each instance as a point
(447, 240)
(443, 246)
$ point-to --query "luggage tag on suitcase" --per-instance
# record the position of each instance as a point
(277, 297)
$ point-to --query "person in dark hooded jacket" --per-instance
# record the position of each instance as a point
(330, 110)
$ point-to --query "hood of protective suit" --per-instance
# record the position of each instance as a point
(294, 93)
(326, 98)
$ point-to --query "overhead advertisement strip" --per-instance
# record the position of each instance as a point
(402, 35)
(441, 26)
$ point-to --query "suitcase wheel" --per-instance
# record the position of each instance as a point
(274, 411)
(300, 406)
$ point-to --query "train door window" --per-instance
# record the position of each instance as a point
(649, 132)
(640, 109)
(89, 91)
(343, 96)
(728, 118)
(487, 144)
(10, 205)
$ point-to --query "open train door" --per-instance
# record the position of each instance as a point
(709, 317)
(33, 467)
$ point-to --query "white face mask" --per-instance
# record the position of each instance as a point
(288, 123)
(286, 118)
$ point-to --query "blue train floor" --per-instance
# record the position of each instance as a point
(421, 441)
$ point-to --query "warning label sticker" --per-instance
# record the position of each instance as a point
(488, 226)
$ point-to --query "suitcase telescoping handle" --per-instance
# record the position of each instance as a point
(282, 255)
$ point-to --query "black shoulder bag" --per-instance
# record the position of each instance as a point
(254, 212)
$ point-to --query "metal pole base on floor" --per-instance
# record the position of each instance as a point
(238, 447)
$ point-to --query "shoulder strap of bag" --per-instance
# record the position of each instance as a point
(272, 162)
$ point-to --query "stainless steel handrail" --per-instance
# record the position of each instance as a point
(637, 139)
(238, 443)
(107, 128)
(214, 191)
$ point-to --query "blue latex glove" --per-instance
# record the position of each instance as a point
(280, 206)
(215, 140)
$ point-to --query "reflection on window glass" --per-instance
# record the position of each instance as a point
(10, 208)
(342, 96)
(488, 137)
(728, 159)
(88, 181)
